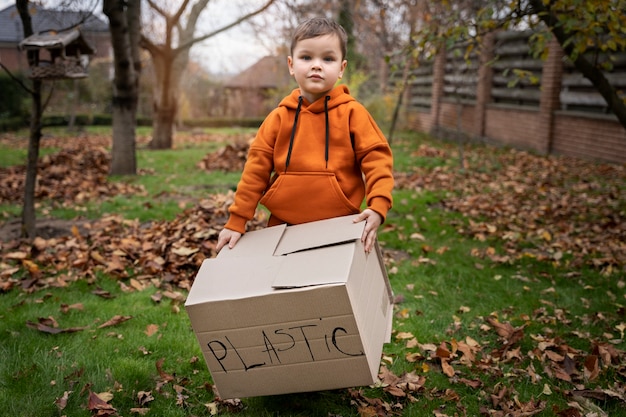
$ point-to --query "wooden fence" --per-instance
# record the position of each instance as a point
(505, 96)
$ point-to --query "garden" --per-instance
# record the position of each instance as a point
(508, 271)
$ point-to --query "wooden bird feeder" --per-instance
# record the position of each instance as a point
(59, 54)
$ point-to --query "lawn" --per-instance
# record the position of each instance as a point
(508, 271)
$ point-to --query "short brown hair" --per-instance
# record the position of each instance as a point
(319, 26)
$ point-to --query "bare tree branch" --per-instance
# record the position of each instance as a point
(157, 9)
(190, 43)
(17, 80)
(183, 6)
(193, 20)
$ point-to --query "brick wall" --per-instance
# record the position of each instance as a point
(514, 127)
(562, 114)
(598, 138)
(12, 58)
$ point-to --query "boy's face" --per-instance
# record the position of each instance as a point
(316, 65)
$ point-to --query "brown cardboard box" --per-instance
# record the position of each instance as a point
(293, 309)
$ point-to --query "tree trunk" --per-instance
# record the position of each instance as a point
(71, 125)
(170, 63)
(401, 93)
(164, 100)
(169, 68)
(125, 83)
(163, 127)
(29, 218)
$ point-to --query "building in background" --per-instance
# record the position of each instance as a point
(257, 90)
(93, 29)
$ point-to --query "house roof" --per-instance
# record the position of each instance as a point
(268, 72)
(11, 30)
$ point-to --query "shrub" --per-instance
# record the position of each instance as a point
(14, 103)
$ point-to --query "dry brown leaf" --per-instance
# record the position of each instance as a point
(151, 329)
(591, 369)
(66, 308)
(99, 406)
(165, 377)
(447, 368)
(114, 321)
(45, 328)
(61, 403)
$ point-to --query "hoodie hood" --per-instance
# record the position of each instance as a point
(338, 95)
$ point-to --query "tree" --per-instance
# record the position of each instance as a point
(29, 227)
(170, 57)
(124, 25)
(29, 218)
(584, 29)
(582, 26)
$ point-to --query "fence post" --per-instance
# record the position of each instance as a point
(551, 77)
(439, 69)
(483, 87)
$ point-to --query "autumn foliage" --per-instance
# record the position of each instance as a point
(556, 210)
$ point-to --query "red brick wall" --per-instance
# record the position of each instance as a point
(450, 114)
(518, 128)
(12, 58)
(421, 121)
(597, 138)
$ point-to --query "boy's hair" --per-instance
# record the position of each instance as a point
(319, 26)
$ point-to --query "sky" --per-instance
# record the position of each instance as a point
(227, 53)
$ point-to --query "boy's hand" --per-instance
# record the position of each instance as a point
(372, 221)
(229, 237)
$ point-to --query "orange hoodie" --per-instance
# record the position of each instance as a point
(313, 161)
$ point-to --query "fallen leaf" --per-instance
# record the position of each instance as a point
(61, 403)
(164, 376)
(99, 406)
(591, 369)
(66, 308)
(144, 397)
(114, 321)
(151, 329)
(447, 368)
(404, 335)
(53, 330)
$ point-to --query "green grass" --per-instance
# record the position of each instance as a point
(171, 179)
(40, 368)
(446, 294)
(10, 155)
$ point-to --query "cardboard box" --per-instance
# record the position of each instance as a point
(293, 309)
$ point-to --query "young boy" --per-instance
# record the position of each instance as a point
(319, 153)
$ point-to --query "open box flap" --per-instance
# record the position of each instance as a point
(319, 234)
(233, 279)
(318, 266)
(259, 243)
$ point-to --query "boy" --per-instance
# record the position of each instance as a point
(319, 153)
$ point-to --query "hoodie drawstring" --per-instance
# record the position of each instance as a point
(327, 130)
(295, 124)
(293, 132)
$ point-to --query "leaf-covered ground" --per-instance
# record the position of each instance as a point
(550, 209)
(561, 211)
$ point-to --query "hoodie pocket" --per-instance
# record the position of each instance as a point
(300, 197)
